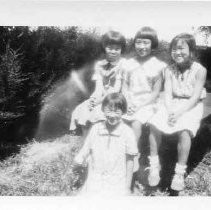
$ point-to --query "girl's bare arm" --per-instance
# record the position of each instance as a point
(199, 84)
(129, 170)
(86, 148)
(168, 90)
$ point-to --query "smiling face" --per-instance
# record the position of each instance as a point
(113, 52)
(113, 116)
(180, 52)
(143, 47)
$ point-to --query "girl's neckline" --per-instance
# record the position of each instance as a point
(113, 62)
(183, 72)
(143, 60)
(184, 67)
(111, 128)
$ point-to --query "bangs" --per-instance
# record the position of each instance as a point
(115, 104)
(112, 41)
(114, 37)
(148, 33)
(115, 101)
(187, 38)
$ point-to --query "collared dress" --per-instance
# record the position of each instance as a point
(139, 80)
(109, 74)
(107, 159)
(183, 85)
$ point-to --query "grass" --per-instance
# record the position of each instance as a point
(42, 169)
(46, 169)
(199, 180)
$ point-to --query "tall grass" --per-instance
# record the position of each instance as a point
(47, 169)
(43, 169)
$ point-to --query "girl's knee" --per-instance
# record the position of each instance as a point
(137, 128)
(185, 134)
(136, 124)
(154, 130)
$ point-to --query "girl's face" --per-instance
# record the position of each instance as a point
(113, 116)
(113, 52)
(143, 47)
(180, 52)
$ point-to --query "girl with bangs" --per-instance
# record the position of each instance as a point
(182, 110)
(109, 150)
(108, 79)
(142, 81)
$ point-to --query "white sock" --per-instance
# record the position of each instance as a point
(180, 169)
(154, 160)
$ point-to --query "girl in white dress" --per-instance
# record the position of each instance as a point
(110, 148)
(108, 79)
(142, 80)
(182, 109)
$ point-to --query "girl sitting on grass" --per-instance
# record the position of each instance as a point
(182, 110)
(142, 80)
(110, 148)
(108, 79)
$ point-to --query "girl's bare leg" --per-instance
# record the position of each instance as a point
(183, 149)
(154, 141)
(154, 163)
(137, 128)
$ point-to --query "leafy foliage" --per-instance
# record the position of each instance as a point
(11, 86)
(32, 61)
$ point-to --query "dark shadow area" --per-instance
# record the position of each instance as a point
(204, 55)
(168, 159)
(17, 133)
(201, 145)
(81, 173)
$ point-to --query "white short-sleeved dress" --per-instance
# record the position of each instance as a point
(107, 159)
(139, 80)
(182, 89)
(109, 73)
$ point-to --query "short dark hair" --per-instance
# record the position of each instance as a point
(116, 101)
(188, 38)
(114, 37)
(148, 33)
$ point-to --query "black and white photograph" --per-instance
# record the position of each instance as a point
(105, 100)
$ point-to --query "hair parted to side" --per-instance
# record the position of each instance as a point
(148, 33)
(113, 37)
(188, 38)
(115, 101)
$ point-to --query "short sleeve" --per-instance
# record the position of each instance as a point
(199, 67)
(124, 75)
(122, 69)
(154, 67)
(119, 75)
(131, 143)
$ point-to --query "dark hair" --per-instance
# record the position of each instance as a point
(114, 37)
(148, 33)
(188, 38)
(116, 101)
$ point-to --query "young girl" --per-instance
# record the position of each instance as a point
(111, 147)
(142, 80)
(183, 108)
(108, 79)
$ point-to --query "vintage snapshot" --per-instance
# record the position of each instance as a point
(109, 99)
